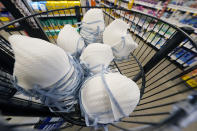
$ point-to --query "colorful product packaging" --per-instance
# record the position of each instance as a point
(192, 82)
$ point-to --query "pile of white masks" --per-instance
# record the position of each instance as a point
(76, 70)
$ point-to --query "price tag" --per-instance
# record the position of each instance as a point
(11, 26)
(4, 19)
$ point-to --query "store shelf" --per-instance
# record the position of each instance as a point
(56, 15)
(183, 8)
(148, 5)
(189, 47)
(46, 28)
(176, 23)
(53, 31)
(145, 4)
(162, 33)
(157, 47)
(176, 7)
(153, 43)
(144, 26)
(125, 7)
(19, 28)
(55, 27)
(113, 17)
(101, 3)
(173, 57)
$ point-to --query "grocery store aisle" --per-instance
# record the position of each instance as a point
(130, 69)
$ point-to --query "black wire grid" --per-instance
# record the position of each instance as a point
(150, 65)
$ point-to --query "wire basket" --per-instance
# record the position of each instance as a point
(164, 77)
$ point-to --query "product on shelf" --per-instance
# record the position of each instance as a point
(52, 26)
(130, 4)
(4, 19)
(181, 18)
(155, 2)
(192, 82)
(5, 15)
(188, 3)
(179, 14)
(42, 124)
(51, 5)
(185, 55)
(52, 34)
(39, 6)
(58, 21)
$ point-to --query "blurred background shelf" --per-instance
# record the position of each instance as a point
(57, 15)
(140, 28)
(151, 7)
(18, 28)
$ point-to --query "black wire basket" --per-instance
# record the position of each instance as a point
(155, 66)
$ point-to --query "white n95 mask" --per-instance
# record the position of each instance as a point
(106, 98)
(116, 36)
(38, 61)
(92, 26)
(70, 40)
(96, 55)
(45, 71)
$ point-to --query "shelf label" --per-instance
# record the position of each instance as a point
(4, 19)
